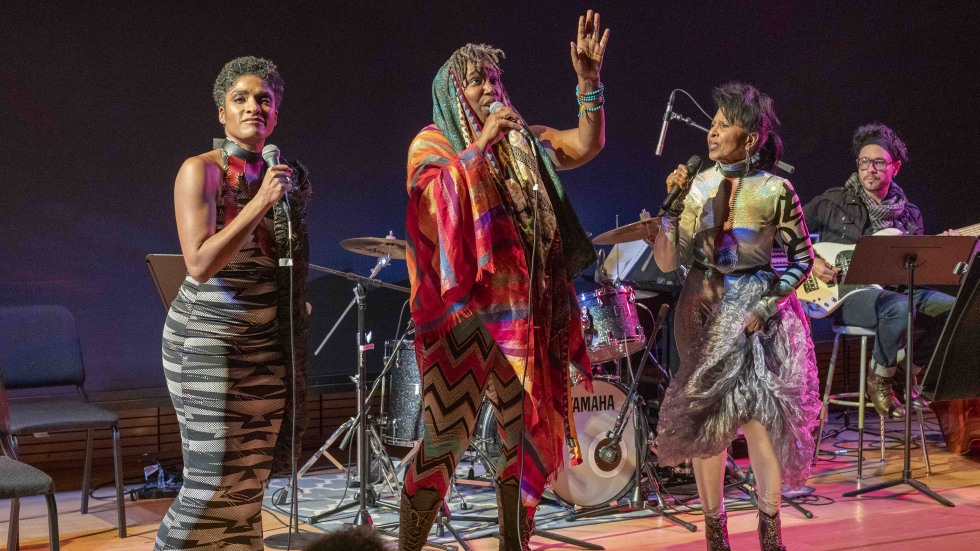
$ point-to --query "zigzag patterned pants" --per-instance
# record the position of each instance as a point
(458, 369)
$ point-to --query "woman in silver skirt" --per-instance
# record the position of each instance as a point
(746, 356)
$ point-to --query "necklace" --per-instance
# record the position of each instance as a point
(235, 150)
(731, 208)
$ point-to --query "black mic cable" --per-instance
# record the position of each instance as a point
(270, 154)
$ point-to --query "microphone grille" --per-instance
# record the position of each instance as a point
(693, 164)
(495, 106)
(271, 154)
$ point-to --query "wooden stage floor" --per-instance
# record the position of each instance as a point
(899, 518)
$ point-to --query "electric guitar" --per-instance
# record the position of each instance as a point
(819, 298)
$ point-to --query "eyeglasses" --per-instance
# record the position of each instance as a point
(880, 164)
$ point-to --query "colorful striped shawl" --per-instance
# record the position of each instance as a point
(465, 258)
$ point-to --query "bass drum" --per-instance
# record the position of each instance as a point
(596, 482)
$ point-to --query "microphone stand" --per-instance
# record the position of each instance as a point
(675, 116)
(293, 538)
(611, 453)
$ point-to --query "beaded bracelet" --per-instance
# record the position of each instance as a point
(589, 96)
(593, 96)
(582, 108)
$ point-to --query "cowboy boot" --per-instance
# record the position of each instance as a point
(880, 393)
(770, 532)
(516, 522)
(716, 531)
(417, 514)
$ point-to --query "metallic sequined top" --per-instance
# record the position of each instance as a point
(735, 235)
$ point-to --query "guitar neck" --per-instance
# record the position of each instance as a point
(972, 231)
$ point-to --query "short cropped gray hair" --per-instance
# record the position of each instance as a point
(248, 65)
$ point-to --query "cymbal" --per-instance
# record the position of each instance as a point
(643, 293)
(641, 229)
(376, 246)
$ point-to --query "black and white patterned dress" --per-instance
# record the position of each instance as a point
(226, 373)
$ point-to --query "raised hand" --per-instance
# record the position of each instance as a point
(589, 47)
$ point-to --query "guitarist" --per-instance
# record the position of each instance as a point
(870, 201)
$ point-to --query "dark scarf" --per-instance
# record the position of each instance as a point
(890, 213)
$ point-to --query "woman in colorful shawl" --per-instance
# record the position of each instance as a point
(746, 356)
(493, 244)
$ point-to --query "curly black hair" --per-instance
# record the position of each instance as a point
(879, 134)
(753, 110)
(248, 65)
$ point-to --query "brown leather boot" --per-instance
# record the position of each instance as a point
(416, 517)
(770, 532)
(880, 393)
(716, 531)
(516, 522)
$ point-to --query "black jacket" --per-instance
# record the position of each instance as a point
(839, 216)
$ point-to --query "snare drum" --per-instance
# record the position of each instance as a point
(612, 327)
(596, 482)
(403, 426)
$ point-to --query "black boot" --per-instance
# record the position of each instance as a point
(416, 517)
(516, 522)
(716, 531)
(880, 393)
(918, 402)
(770, 532)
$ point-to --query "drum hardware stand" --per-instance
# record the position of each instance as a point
(366, 494)
(480, 452)
(610, 452)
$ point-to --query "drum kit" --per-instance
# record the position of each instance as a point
(612, 466)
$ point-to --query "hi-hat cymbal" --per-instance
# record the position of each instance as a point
(642, 229)
(376, 246)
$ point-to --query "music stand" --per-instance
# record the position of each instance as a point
(897, 260)
(168, 272)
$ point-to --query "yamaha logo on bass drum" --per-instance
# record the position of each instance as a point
(593, 403)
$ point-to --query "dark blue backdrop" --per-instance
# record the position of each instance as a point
(100, 104)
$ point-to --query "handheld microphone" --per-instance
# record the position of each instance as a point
(270, 154)
(525, 131)
(663, 127)
(693, 164)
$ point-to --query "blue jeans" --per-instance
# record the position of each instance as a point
(886, 312)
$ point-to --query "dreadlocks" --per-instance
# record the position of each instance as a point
(478, 55)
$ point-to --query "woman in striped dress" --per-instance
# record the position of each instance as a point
(226, 349)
